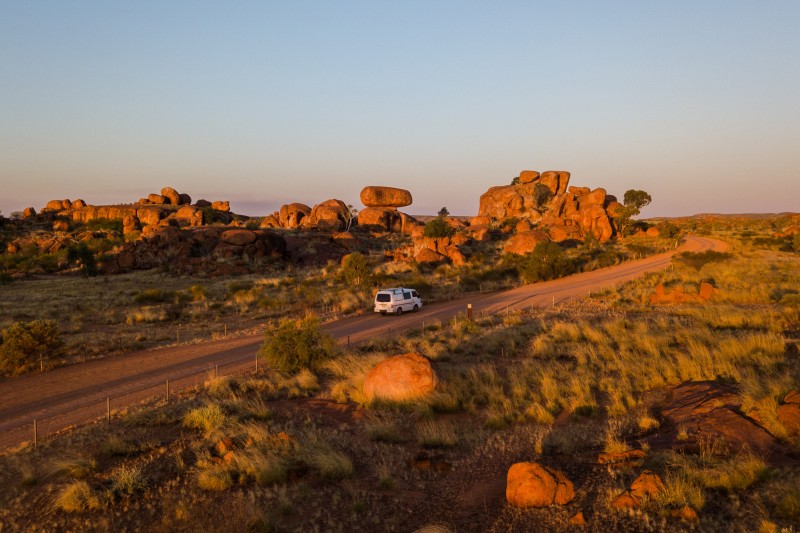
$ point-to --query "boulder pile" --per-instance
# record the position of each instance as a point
(546, 202)
(330, 215)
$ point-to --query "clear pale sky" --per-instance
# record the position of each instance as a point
(263, 103)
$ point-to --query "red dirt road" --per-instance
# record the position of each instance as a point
(77, 394)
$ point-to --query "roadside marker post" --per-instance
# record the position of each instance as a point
(35, 434)
(469, 311)
(167, 391)
(108, 409)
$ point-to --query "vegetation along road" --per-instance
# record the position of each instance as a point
(76, 394)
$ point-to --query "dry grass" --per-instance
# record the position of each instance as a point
(77, 496)
(437, 434)
(208, 418)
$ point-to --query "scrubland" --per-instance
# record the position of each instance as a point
(305, 450)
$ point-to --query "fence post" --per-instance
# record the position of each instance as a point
(469, 311)
(35, 434)
(108, 409)
(256, 361)
(167, 390)
(348, 342)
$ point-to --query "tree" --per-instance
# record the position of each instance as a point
(297, 344)
(443, 212)
(350, 216)
(355, 269)
(546, 261)
(438, 227)
(515, 181)
(84, 257)
(28, 344)
(634, 200)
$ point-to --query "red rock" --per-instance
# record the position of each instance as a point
(221, 205)
(533, 485)
(60, 225)
(685, 513)
(578, 519)
(380, 219)
(710, 410)
(706, 291)
(378, 196)
(653, 232)
(270, 221)
(238, 237)
(330, 215)
(551, 180)
(565, 233)
(346, 239)
(292, 215)
(426, 256)
(625, 501)
(157, 199)
(579, 191)
(528, 176)
(522, 226)
(401, 378)
(171, 195)
(28, 212)
(648, 484)
(788, 412)
(523, 243)
(596, 197)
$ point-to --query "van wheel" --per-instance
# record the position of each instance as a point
(416, 308)
(399, 311)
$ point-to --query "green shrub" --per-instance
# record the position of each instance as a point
(297, 344)
(81, 254)
(153, 296)
(699, 259)
(99, 224)
(541, 194)
(355, 270)
(26, 343)
(546, 261)
(437, 228)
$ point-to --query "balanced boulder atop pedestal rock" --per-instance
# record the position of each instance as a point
(375, 196)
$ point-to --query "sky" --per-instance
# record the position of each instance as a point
(265, 103)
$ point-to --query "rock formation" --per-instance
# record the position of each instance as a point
(381, 213)
(545, 201)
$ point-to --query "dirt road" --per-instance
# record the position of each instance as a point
(76, 394)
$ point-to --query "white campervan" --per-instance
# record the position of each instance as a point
(397, 301)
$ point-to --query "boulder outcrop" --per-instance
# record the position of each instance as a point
(547, 201)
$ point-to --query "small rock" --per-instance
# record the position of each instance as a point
(534, 485)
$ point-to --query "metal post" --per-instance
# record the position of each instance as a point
(108, 410)
(35, 434)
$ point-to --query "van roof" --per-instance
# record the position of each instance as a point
(395, 289)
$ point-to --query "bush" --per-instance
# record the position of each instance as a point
(153, 296)
(26, 343)
(355, 270)
(546, 261)
(700, 259)
(82, 255)
(437, 228)
(297, 344)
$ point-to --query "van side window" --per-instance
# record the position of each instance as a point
(406, 296)
(414, 294)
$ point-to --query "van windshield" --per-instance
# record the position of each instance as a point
(383, 297)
